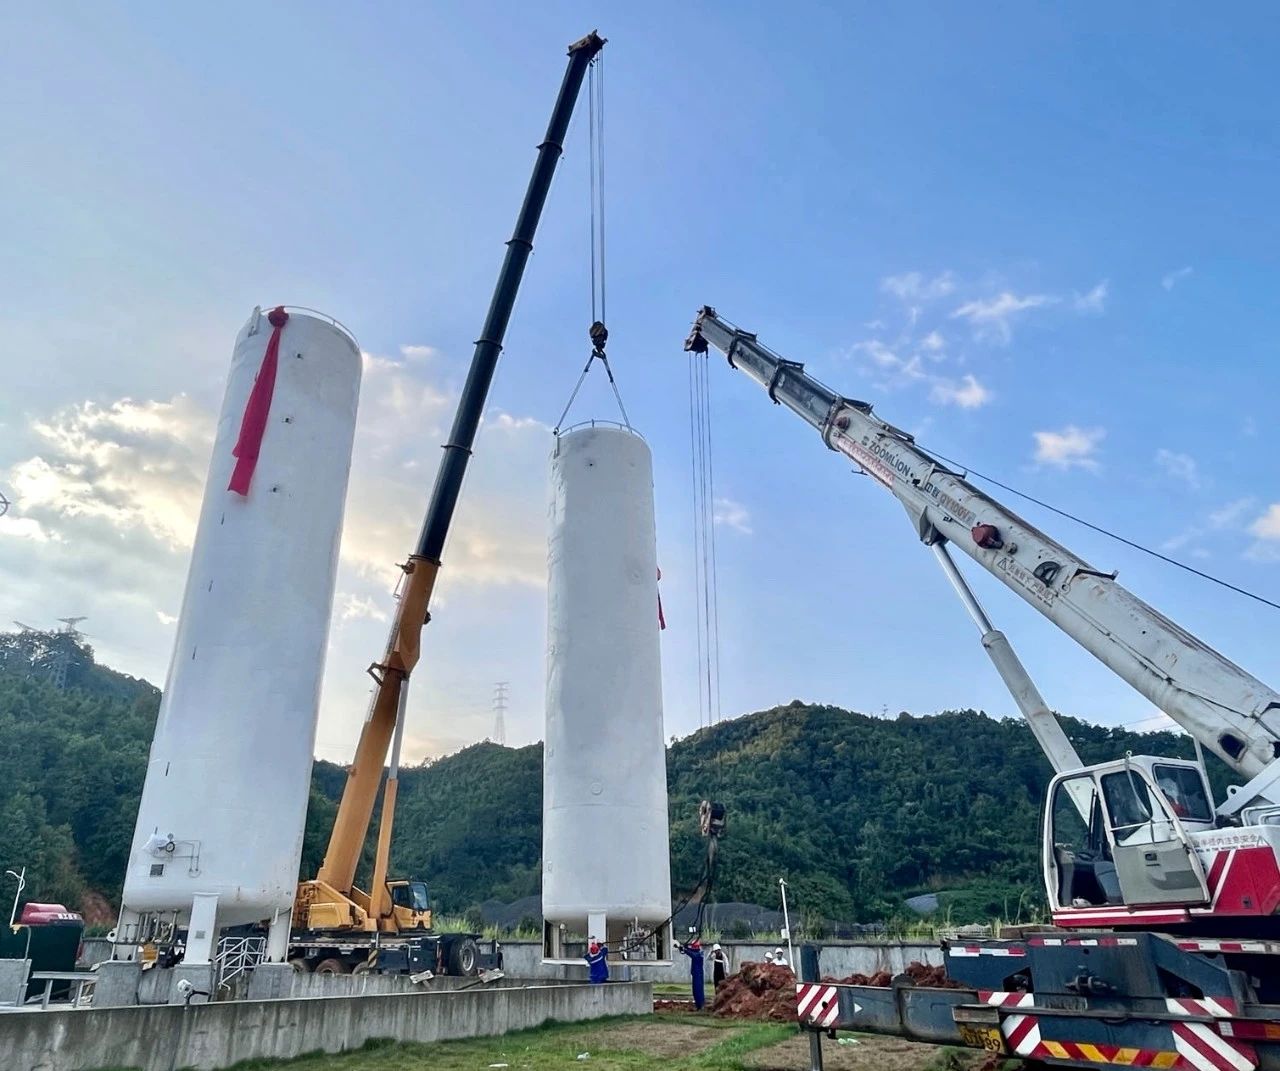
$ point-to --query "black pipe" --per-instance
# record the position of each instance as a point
(457, 451)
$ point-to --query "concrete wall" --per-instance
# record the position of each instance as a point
(523, 959)
(212, 1036)
(294, 984)
(93, 950)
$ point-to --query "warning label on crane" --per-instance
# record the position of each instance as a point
(871, 464)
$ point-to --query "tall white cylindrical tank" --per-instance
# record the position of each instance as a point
(605, 845)
(225, 798)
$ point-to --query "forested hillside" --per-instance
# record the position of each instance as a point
(857, 812)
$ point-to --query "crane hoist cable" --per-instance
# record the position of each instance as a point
(706, 583)
(598, 332)
(711, 812)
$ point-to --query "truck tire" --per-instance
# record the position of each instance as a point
(464, 957)
(332, 965)
(300, 965)
(363, 967)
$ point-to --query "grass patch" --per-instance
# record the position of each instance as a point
(624, 1043)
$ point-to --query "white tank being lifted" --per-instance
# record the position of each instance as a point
(219, 833)
(605, 845)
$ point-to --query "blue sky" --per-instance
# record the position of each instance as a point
(1044, 240)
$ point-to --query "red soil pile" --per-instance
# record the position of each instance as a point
(921, 975)
(758, 991)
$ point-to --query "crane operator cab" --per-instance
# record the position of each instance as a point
(1116, 834)
(410, 906)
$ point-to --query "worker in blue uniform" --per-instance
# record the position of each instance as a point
(694, 951)
(597, 958)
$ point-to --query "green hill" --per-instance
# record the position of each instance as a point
(857, 812)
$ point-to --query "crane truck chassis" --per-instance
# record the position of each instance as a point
(1166, 951)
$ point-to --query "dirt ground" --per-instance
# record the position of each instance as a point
(665, 1040)
(866, 1052)
(669, 1042)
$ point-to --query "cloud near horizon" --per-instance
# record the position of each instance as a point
(113, 491)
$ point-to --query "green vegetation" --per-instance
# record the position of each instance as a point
(857, 812)
(620, 1044)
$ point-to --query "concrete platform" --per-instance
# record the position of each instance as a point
(208, 1037)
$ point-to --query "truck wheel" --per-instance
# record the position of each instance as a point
(300, 965)
(463, 957)
(333, 965)
(363, 967)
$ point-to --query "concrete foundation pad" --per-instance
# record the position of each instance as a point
(13, 980)
(200, 978)
(271, 981)
(117, 984)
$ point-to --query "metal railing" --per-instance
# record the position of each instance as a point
(237, 956)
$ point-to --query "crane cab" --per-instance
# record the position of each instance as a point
(410, 905)
(1116, 835)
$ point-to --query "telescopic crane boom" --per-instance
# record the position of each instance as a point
(1223, 707)
(384, 726)
(1167, 914)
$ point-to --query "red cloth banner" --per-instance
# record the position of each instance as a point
(662, 619)
(253, 425)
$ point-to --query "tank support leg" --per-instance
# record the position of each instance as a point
(202, 931)
(278, 936)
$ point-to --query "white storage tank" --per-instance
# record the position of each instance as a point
(605, 845)
(219, 834)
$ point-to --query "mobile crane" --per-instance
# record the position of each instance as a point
(336, 926)
(1165, 949)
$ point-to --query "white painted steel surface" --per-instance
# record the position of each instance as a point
(604, 836)
(231, 759)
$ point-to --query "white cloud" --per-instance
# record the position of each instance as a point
(912, 286)
(354, 607)
(895, 371)
(1068, 448)
(25, 528)
(993, 316)
(1094, 301)
(106, 497)
(967, 394)
(1266, 532)
(732, 515)
(892, 371)
(1228, 516)
(1268, 525)
(1173, 278)
(1180, 466)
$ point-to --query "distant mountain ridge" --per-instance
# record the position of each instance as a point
(858, 813)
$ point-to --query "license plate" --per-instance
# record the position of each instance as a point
(982, 1037)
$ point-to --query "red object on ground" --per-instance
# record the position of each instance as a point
(757, 991)
(254, 423)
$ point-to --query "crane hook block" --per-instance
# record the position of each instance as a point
(599, 336)
(711, 818)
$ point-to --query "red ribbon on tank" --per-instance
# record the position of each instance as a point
(253, 425)
(662, 618)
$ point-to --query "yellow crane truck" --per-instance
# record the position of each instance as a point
(337, 927)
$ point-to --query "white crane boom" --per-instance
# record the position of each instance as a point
(1219, 704)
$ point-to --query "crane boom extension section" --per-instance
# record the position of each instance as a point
(1218, 703)
(392, 674)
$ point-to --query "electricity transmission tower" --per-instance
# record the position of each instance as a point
(500, 712)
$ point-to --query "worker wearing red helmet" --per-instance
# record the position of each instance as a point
(597, 958)
(694, 951)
